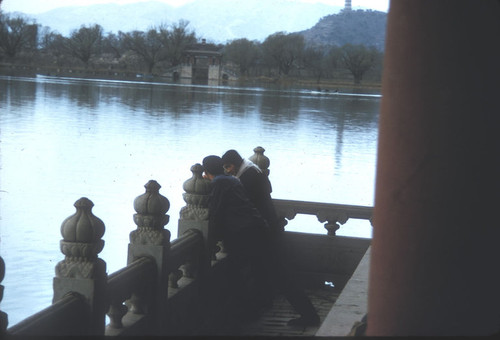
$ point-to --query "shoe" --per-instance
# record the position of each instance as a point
(304, 321)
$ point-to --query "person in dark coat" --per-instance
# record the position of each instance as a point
(230, 211)
(235, 220)
(258, 188)
(256, 184)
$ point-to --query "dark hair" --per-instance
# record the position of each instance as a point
(232, 157)
(213, 165)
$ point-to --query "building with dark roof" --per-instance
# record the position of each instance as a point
(201, 62)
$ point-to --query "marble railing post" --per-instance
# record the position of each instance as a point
(195, 214)
(260, 159)
(150, 239)
(3, 316)
(82, 271)
(263, 162)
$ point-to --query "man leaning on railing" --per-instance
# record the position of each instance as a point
(242, 228)
(258, 188)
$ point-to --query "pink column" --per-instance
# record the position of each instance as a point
(435, 266)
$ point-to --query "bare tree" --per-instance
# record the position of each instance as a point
(243, 53)
(177, 40)
(113, 44)
(149, 46)
(17, 34)
(51, 47)
(332, 59)
(358, 59)
(284, 50)
(84, 43)
(314, 61)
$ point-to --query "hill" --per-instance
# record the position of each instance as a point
(216, 20)
(354, 27)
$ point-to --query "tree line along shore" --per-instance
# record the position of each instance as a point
(284, 58)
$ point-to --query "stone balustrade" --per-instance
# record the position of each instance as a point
(82, 271)
(68, 316)
(135, 298)
(137, 279)
(333, 214)
(163, 286)
(260, 159)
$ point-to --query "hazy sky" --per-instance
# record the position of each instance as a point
(40, 6)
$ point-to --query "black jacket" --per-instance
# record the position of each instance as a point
(258, 188)
(231, 214)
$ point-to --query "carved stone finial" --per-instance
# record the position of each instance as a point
(82, 232)
(197, 184)
(196, 196)
(151, 217)
(81, 242)
(151, 202)
(260, 159)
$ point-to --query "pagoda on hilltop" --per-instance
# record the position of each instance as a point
(347, 6)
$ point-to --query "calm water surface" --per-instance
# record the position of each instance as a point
(62, 139)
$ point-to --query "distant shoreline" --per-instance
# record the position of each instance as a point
(305, 83)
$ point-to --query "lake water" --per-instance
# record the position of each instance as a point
(63, 138)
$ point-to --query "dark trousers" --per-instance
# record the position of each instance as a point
(250, 270)
(284, 281)
(263, 254)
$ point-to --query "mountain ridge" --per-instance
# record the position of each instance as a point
(217, 21)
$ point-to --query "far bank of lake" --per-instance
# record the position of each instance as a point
(327, 85)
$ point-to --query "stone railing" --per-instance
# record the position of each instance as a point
(136, 297)
(167, 287)
(333, 214)
(68, 316)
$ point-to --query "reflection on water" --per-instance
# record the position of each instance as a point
(62, 139)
